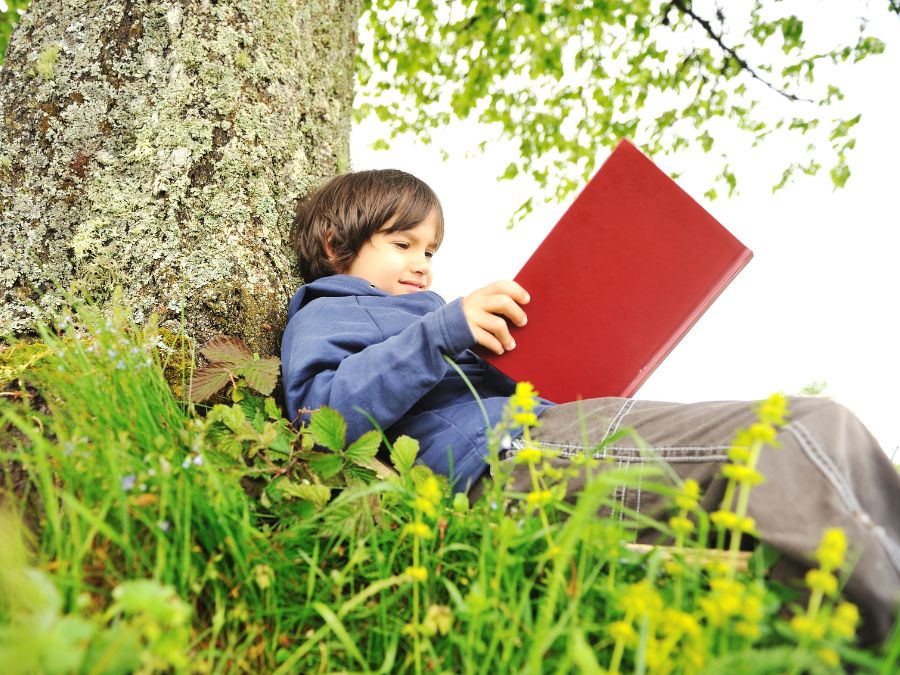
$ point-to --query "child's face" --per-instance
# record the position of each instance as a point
(399, 262)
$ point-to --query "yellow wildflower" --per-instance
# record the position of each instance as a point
(689, 496)
(642, 599)
(742, 474)
(420, 530)
(525, 419)
(809, 628)
(528, 455)
(424, 506)
(739, 453)
(773, 410)
(623, 631)
(681, 525)
(525, 397)
(539, 497)
(748, 630)
(829, 656)
(764, 433)
(832, 548)
(845, 619)
(823, 581)
(430, 489)
(416, 573)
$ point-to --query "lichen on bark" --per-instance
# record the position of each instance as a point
(160, 147)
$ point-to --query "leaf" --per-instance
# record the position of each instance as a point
(227, 350)
(361, 473)
(272, 409)
(404, 454)
(325, 465)
(261, 374)
(365, 447)
(318, 495)
(328, 428)
(207, 382)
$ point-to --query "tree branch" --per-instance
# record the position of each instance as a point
(685, 8)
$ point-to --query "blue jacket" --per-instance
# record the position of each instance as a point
(348, 344)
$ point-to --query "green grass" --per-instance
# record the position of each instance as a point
(219, 540)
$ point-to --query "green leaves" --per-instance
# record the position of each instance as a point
(231, 361)
(404, 454)
(563, 81)
(328, 428)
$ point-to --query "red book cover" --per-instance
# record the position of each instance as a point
(625, 273)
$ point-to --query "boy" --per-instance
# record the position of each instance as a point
(366, 332)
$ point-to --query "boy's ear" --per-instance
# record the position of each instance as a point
(328, 250)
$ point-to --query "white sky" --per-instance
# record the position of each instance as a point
(817, 302)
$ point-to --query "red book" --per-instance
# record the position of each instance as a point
(625, 273)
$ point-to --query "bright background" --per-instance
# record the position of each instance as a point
(819, 301)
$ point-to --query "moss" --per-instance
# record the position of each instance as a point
(19, 357)
(46, 62)
(180, 143)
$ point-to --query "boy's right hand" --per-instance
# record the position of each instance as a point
(485, 308)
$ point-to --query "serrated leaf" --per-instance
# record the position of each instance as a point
(361, 473)
(261, 374)
(207, 382)
(317, 495)
(233, 418)
(325, 465)
(227, 350)
(271, 408)
(328, 428)
(404, 454)
(365, 447)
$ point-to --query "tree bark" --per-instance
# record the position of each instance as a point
(160, 147)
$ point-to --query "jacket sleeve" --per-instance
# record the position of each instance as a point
(342, 360)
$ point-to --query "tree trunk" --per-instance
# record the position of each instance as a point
(160, 147)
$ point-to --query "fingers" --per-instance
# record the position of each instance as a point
(486, 308)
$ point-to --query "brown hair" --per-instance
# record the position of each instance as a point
(345, 212)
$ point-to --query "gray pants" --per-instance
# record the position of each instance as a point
(828, 472)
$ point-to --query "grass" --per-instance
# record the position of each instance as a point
(163, 536)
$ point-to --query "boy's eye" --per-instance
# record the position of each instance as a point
(429, 254)
(401, 244)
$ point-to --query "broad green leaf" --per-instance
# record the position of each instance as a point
(365, 447)
(207, 382)
(360, 473)
(261, 374)
(318, 495)
(325, 465)
(272, 409)
(227, 350)
(404, 454)
(328, 428)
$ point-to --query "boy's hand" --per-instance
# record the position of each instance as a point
(485, 308)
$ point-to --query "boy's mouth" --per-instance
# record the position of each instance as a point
(414, 284)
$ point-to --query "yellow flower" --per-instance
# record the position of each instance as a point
(832, 548)
(752, 608)
(539, 497)
(420, 530)
(424, 506)
(688, 497)
(525, 396)
(829, 656)
(820, 580)
(681, 525)
(525, 419)
(739, 453)
(747, 629)
(809, 628)
(528, 455)
(676, 622)
(438, 619)
(742, 474)
(764, 433)
(416, 573)
(845, 619)
(430, 489)
(731, 521)
(773, 410)
(622, 631)
(642, 599)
